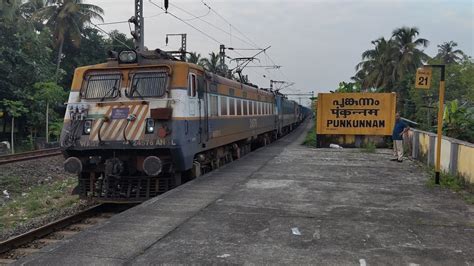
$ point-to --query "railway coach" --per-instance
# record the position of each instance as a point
(142, 123)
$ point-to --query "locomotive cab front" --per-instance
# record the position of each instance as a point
(118, 134)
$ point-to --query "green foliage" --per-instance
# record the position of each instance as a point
(369, 147)
(446, 181)
(49, 92)
(458, 121)
(310, 139)
(211, 64)
(448, 54)
(14, 108)
(348, 87)
(390, 67)
(31, 32)
(55, 129)
(35, 201)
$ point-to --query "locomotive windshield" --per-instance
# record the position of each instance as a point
(101, 86)
(149, 84)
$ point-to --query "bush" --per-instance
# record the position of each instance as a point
(369, 147)
(310, 139)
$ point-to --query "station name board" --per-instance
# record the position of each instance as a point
(355, 113)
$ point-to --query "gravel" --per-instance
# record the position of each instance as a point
(36, 171)
(17, 179)
(43, 220)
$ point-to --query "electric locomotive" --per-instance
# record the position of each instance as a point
(144, 122)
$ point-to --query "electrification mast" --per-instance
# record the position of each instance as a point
(138, 21)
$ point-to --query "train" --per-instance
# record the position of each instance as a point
(144, 122)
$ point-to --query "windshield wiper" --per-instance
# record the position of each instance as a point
(111, 90)
(134, 89)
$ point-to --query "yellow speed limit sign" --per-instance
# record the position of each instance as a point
(423, 78)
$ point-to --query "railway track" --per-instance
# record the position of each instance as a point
(22, 156)
(30, 242)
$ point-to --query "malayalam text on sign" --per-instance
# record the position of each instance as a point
(356, 113)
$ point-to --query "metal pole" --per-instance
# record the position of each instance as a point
(139, 25)
(440, 124)
(47, 122)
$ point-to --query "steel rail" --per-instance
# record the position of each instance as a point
(23, 156)
(30, 236)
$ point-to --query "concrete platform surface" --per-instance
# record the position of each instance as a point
(286, 204)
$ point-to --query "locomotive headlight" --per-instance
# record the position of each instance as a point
(127, 57)
(150, 126)
(87, 127)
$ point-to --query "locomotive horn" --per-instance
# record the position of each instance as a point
(73, 165)
(152, 165)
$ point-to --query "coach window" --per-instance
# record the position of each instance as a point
(239, 107)
(192, 85)
(231, 106)
(223, 105)
(245, 107)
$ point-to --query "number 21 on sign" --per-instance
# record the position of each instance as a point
(423, 78)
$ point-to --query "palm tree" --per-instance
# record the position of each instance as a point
(67, 19)
(410, 57)
(211, 64)
(194, 58)
(30, 7)
(376, 69)
(447, 53)
(8, 8)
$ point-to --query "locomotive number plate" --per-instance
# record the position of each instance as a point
(119, 113)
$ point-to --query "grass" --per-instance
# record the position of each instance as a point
(452, 182)
(368, 147)
(310, 139)
(37, 201)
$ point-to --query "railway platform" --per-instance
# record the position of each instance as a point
(286, 204)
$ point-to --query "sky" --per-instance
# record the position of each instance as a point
(317, 43)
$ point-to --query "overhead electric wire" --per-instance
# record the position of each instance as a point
(110, 35)
(204, 33)
(111, 23)
(210, 24)
(232, 26)
(245, 36)
(187, 23)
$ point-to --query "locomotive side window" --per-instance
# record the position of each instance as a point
(231, 106)
(101, 86)
(149, 84)
(223, 105)
(192, 85)
(250, 107)
(213, 105)
(245, 107)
